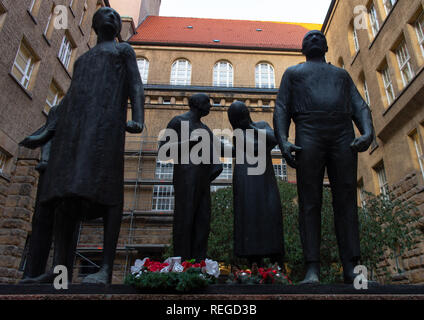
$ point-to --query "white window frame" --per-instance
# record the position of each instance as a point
(419, 28)
(355, 39)
(163, 198)
(223, 74)
(373, 16)
(3, 160)
(84, 11)
(29, 65)
(31, 6)
(264, 71)
(367, 93)
(280, 169)
(388, 5)
(388, 85)
(57, 98)
(143, 68)
(382, 180)
(65, 52)
(181, 73)
(404, 61)
(419, 151)
(46, 30)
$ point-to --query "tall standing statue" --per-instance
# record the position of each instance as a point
(323, 101)
(192, 181)
(43, 218)
(84, 176)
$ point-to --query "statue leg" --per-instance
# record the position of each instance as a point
(65, 225)
(182, 229)
(40, 242)
(310, 176)
(342, 173)
(112, 225)
(201, 225)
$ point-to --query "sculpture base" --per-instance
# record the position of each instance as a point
(214, 292)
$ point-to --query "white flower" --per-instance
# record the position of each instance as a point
(138, 265)
(177, 267)
(165, 269)
(212, 268)
(172, 260)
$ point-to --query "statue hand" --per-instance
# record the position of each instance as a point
(362, 143)
(287, 150)
(29, 142)
(134, 127)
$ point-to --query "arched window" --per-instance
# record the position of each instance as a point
(143, 68)
(181, 73)
(264, 76)
(223, 74)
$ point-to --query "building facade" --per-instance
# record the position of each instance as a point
(36, 64)
(381, 44)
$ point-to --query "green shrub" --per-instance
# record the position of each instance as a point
(384, 224)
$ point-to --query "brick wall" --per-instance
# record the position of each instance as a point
(17, 199)
(412, 261)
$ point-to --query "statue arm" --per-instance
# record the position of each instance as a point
(282, 119)
(361, 115)
(44, 134)
(136, 91)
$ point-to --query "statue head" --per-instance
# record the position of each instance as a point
(107, 22)
(239, 115)
(201, 103)
(314, 44)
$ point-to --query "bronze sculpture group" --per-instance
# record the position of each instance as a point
(83, 156)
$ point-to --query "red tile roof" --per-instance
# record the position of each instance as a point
(221, 33)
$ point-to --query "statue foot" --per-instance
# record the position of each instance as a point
(312, 274)
(101, 277)
(47, 277)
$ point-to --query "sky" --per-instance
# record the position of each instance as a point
(307, 11)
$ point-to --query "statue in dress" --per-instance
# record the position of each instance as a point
(84, 176)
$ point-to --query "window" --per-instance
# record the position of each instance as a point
(264, 76)
(388, 86)
(84, 13)
(362, 194)
(164, 170)
(181, 73)
(143, 68)
(2, 15)
(355, 39)
(366, 93)
(404, 61)
(280, 168)
(382, 180)
(23, 66)
(3, 160)
(419, 27)
(54, 96)
(50, 24)
(65, 52)
(375, 26)
(227, 172)
(418, 151)
(223, 74)
(388, 5)
(163, 198)
(34, 6)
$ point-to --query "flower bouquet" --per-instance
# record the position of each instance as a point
(270, 275)
(172, 274)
